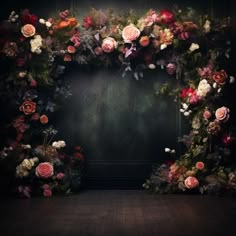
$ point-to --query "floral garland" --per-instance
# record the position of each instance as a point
(34, 53)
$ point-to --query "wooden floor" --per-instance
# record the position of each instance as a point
(119, 212)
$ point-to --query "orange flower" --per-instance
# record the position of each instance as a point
(43, 119)
(69, 22)
(166, 36)
(28, 107)
(144, 41)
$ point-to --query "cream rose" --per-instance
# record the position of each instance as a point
(28, 30)
(109, 44)
(203, 88)
(27, 164)
(44, 170)
(191, 182)
(130, 33)
(222, 114)
(36, 44)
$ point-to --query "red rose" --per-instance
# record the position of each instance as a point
(28, 107)
(220, 77)
(44, 170)
(28, 18)
(166, 16)
(43, 119)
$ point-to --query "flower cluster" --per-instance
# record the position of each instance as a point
(34, 49)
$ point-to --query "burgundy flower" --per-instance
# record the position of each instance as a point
(28, 18)
(166, 16)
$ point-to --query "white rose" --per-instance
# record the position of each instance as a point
(42, 21)
(27, 164)
(203, 88)
(48, 24)
(185, 106)
(193, 47)
(36, 43)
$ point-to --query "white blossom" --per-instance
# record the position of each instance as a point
(151, 66)
(59, 144)
(203, 88)
(163, 46)
(186, 113)
(207, 26)
(167, 149)
(42, 21)
(231, 79)
(193, 47)
(185, 106)
(48, 24)
(215, 85)
(36, 43)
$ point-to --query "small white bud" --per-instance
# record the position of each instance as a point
(181, 110)
(186, 113)
(151, 66)
(163, 46)
(231, 79)
(167, 150)
(219, 90)
(185, 106)
(215, 85)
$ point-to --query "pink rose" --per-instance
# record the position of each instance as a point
(144, 41)
(206, 114)
(28, 30)
(200, 165)
(60, 176)
(191, 182)
(33, 83)
(44, 170)
(109, 44)
(98, 51)
(220, 77)
(47, 193)
(130, 33)
(222, 114)
(45, 186)
(71, 49)
(171, 68)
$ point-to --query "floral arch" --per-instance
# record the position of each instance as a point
(196, 50)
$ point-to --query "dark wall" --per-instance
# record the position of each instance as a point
(121, 124)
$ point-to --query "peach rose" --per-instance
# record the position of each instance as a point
(130, 33)
(222, 114)
(44, 170)
(109, 44)
(28, 107)
(200, 165)
(220, 77)
(144, 41)
(191, 182)
(28, 30)
(206, 114)
(43, 119)
(71, 49)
